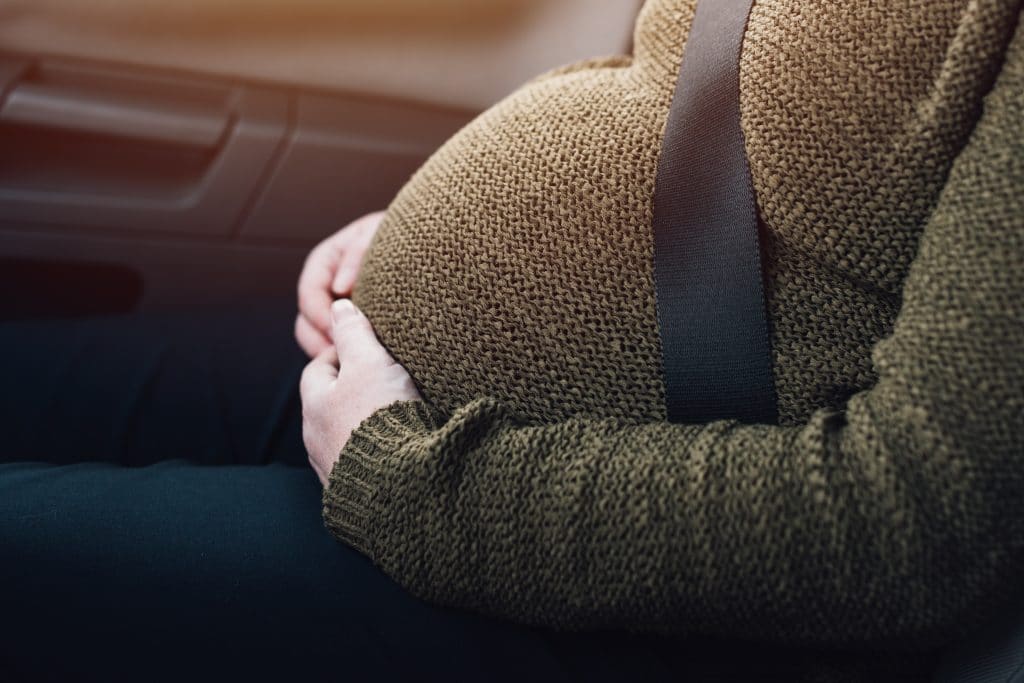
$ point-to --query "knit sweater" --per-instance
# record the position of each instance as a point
(512, 277)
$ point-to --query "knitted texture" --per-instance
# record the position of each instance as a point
(518, 263)
(512, 277)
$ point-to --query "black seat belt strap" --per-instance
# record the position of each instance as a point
(716, 345)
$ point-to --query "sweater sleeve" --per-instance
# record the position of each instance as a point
(900, 517)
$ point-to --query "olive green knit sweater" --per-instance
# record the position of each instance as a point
(513, 278)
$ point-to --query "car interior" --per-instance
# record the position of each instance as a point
(176, 155)
(180, 155)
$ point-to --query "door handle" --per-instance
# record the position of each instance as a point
(119, 148)
(54, 106)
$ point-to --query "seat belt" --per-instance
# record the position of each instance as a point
(716, 345)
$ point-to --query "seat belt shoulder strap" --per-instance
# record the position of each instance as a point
(716, 346)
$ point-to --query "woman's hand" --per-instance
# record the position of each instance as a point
(345, 384)
(330, 272)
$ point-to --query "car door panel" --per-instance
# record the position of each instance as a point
(190, 154)
(100, 147)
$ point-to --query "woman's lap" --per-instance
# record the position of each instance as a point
(157, 521)
(113, 572)
(182, 572)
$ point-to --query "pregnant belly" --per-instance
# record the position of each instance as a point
(471, 314)
(517, 263)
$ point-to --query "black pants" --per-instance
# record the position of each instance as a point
(158, 520)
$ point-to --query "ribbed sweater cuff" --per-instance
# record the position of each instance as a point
(362, 469)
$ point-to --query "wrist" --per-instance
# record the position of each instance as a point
(352, 499)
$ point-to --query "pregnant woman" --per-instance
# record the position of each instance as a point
(487, 415)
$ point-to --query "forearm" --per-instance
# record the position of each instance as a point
(747, 531)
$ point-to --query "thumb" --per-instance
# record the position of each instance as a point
(353, 335)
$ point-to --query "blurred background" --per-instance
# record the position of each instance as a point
(160, 155)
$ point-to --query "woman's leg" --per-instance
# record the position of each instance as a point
(215, 388)
(139, 564)
(182, 572)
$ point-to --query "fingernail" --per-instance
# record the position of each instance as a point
(341, 308)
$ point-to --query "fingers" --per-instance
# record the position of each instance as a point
(314, 287)
(353, 335)
(361, 232)
(320, 374)
(310, 339)
(348, 270)
(332, 268)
